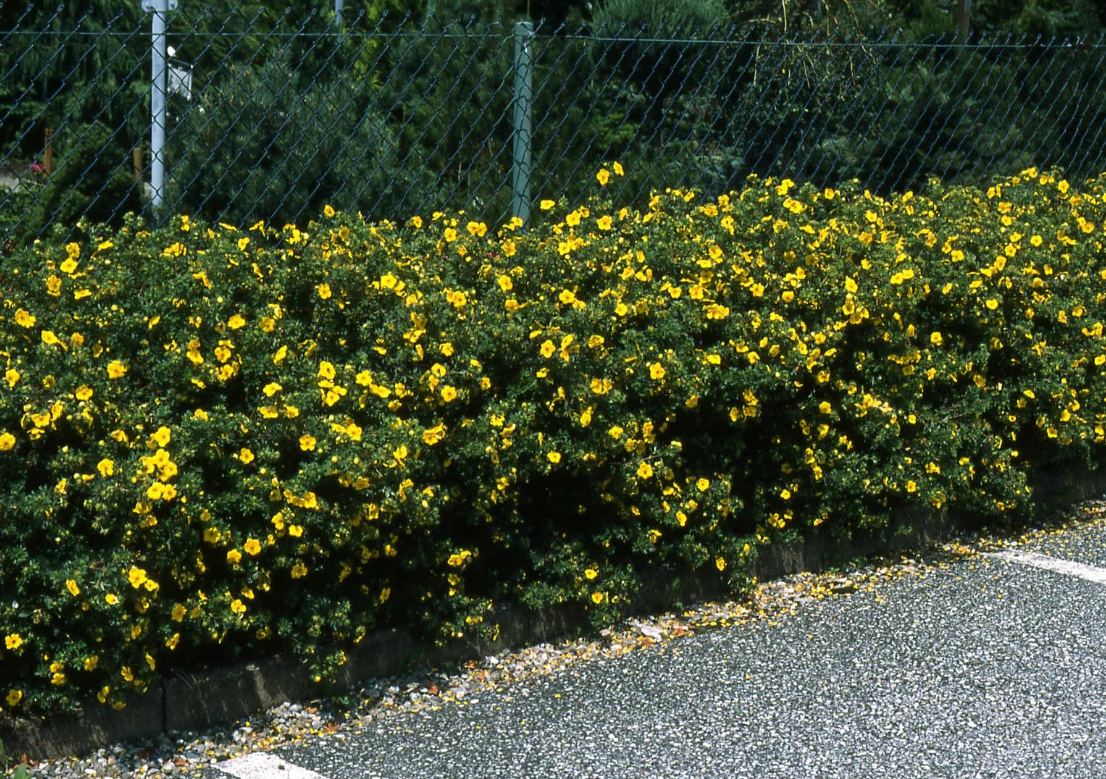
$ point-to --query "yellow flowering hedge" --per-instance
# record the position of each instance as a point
(220, 441)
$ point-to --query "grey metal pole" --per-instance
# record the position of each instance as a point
(521, 123)
(339, 6)
(159, 8)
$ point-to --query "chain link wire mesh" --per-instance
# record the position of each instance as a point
(271, 118)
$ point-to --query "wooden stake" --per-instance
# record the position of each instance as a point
(138, 163)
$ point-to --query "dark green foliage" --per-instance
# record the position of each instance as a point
(94, 179)
(268, 142)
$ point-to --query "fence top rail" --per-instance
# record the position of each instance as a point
(408, 27)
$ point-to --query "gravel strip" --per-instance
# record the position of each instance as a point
(177, 754)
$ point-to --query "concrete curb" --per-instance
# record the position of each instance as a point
(194, 700)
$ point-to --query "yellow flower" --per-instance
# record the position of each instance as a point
(585, 417)
(178, 612)
(328, 211)
(991, 303)
(617, 169)
(554, 457)
(162, 436)
(267, 324)
(935, 338)
(433, 435)
(590, 574)
(604, 223)
(656, 371)
(720, 563)
(703, 485)
(547, 349)
(449, 394)
(299, 570)
(323, 290)
(106, 467)
(505, 283)
(615, 432)
(7, 442)
(597, 598)
(237, 606)
(136, 576)
(477, 229)
(90, 663)
(48, 337)
(825, 407)
(252, 546)
(644, 470)
(545, 205)
(600, 386)
(14, 697)
(111, 598)
(236, 322)
(11, 376)
(24, 319)
(271, 389)
(234, 557)
(307, 442)
(245, 456)
(116, 369)
(603, 176)
(71, 585)
(13, 641)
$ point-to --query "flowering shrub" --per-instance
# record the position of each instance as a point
(217, 440)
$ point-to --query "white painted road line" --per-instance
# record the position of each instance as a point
(1088, 572)
(261, 765)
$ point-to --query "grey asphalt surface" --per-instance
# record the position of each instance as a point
(986, 668)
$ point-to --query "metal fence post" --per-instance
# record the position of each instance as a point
(521, 123)
(159, 8)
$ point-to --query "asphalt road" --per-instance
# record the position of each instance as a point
(991, 667)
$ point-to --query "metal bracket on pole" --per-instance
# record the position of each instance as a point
(159, 8)
(521, 123)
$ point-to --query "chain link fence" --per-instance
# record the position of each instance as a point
(271, 118)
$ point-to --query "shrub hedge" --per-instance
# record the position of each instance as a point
(220, 440)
